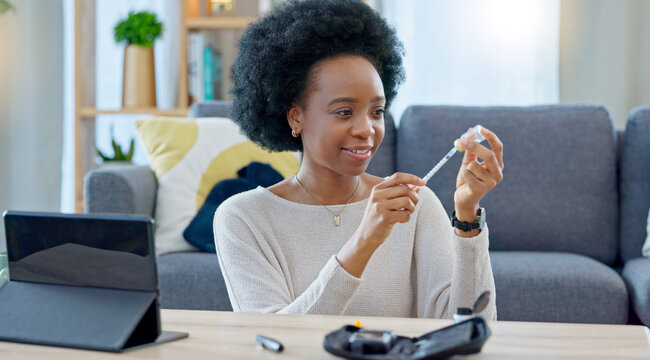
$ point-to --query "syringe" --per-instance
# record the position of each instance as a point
(473, 134)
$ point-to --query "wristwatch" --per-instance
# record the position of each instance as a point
(479, 223)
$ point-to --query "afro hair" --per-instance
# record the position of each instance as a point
(277, 52)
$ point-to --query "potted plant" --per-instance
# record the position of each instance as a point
(119, 156)
(138, 31)
(5, 6)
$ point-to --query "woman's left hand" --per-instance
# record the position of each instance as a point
(475, 179)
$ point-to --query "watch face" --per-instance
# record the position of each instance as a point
(481, 218)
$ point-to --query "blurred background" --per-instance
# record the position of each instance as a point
(61, 70)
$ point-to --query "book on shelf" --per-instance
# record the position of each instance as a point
(204, 68)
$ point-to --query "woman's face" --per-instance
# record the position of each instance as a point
(341, 119)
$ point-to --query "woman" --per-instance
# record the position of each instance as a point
(317, 76)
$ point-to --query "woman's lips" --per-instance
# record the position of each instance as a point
(358, 154)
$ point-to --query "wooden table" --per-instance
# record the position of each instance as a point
(226, 335)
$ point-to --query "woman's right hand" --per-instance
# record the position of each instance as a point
(391, 201)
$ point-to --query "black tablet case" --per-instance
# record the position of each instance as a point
(80, 317)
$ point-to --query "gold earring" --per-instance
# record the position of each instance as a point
(294, 133)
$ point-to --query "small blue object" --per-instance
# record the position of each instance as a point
(200, 232)
(208, 74)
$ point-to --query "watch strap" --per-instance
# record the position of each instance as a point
(468, 226)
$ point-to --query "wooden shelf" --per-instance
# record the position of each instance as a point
(85, 77)
(218, 23)
(90, 112)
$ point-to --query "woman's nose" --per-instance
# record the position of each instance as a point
(363, 127)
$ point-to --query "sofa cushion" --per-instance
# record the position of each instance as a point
(559, 191)
(636, 274)
(200, 232)
(557, 287)
(189, 156)
(192, 281)
(635, 183)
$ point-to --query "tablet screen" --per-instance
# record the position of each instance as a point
(107, 251)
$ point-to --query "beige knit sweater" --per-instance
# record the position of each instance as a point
(279, 256)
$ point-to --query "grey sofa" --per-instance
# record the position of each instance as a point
(566, 230)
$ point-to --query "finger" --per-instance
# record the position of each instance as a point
(468, 156)
(474, 183)
(400, 216)
(394, 216)
(395, 192)
(402, 203)
(400, 178)
(488, 156)
(495, 144)
(484, 175)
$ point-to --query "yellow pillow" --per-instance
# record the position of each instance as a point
(190, 156)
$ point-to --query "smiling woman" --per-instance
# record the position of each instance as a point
(341, 121)
(317, 76)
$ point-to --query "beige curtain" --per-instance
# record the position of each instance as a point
(31, 107)
(605, 54)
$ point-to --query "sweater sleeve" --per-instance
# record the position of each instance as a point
(255, 279)
(450, 271)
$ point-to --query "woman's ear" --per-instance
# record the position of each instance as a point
(294, 117)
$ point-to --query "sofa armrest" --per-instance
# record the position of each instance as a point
(636, 274)
(128, 189)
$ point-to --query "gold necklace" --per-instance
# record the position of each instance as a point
(337, 217)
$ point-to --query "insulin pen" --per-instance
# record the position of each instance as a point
(473, 134)
(269, 344)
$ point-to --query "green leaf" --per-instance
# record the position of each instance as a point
(5, 6)
(141, 28)
(103, 156)
(129, 155)
(118, 153)
(117, 150)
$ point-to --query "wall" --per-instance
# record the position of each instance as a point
(605, 54)
(31, 107)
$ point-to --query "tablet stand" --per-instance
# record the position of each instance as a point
(80, 317)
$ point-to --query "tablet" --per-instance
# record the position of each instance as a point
(96, 250)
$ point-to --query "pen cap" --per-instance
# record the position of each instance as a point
(463, 314)
(269, 344)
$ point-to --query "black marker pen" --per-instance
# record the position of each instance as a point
(269, 344)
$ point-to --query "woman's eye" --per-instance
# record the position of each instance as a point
(380, 112)
(344, 112)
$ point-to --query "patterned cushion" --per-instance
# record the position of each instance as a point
(189, 156)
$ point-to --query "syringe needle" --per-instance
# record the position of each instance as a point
(473, 134)
(439, 165)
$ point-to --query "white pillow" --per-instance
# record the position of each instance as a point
(190, 156)
(646, 247)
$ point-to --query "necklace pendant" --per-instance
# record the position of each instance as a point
(337, 220)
